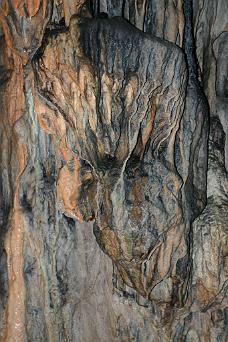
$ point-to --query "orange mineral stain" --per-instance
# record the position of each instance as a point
(68, 190)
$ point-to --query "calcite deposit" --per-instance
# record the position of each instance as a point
(113, 188)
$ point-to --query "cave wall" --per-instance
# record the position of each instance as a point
(113, 190)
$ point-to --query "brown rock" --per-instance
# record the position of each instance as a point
(102, 121)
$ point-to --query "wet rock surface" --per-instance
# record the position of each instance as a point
(113, 202)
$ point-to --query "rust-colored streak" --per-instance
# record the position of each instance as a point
(7, 36)
(25, 16)
(149, 127)
(15, 325)
(4, 7)
(33, 7)
(68, 184)
(111, 243)
(16, 103)
(68, 190)
(204, 295)
(72, 7)
(17, 4)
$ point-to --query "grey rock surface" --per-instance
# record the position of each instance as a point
(113, 202)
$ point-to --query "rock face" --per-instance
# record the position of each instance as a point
(113, 201)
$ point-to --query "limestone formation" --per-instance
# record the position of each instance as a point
(113, 188)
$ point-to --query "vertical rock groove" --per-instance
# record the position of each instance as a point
(113, 183)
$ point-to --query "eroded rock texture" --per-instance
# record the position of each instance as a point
(113, 202)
